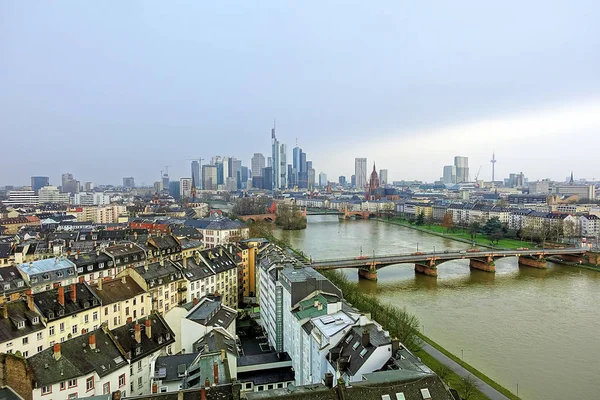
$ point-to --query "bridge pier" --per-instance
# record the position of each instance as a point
(593, 257)
(483, 264)
(369, 274)
(574, 258)
(533, 261)
(428, 268)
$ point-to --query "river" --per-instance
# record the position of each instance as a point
(539, 329)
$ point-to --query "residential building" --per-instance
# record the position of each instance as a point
(129, 183)
(171, 371)
(21, 328)
(360, 172)
(123, 301)
(143, 340)
(218, 230)
(12, 284)
(68, 311)
(163, 247)
(590, 225)
(86, 366)
(13, 225)
(51, 194)
(94, 265)
(42, 275)
(122, 256)
(162, 281)
(222, 262)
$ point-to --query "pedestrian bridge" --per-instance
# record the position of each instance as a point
(427, 263)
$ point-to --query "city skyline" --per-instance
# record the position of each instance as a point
(456, 105)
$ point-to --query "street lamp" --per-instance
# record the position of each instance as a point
(462, 354)
(361, 251)
(417, 247)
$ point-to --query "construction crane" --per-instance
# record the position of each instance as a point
(477, 175)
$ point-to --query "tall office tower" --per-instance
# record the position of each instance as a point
(449, 174)
(283, 166)
(220, 175)
(209, 177)
(342, 180)
(353, 181)
(69, 184)
(383, 177)
(296, 167)
(303, 172)
(360, 171)
(185, 188)
(258, 163)
(270, 162)
(245, 177)
(311, 178)
(165, 181)
(291, 176)
(267, 181)
(196, 174)
(38, 182)
(89, 186)
(275, 153)
(462, 169)
(128, 182)
(323, 179)
(175, 189)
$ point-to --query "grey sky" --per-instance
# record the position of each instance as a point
(112, 89)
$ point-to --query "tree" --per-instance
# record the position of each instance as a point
(420, 219)
(443, 371)
(250, 206)
(447, 221)
(260, 229)
(473, 229)
(468, 387)
(493, 229)
(289, 217)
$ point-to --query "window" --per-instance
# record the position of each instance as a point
(142, 312)
(40, 335)
(163, 389)
(40, 348)
(89, 384)
(126, 310)
(248, 385)
(25, 354)
(114, 308)
(95, 316)
(46, 390)
(425, 394)
(400, 396)
(385, 397)
(90, 267)
(25, 340)
(62, 326)
(9, 344)
(72, 396)
(134, 301)
(106, 388)
(63, 385)
(74, 329)
(86, 318)
(105, 311)
(139, 365)
(122, 380)
(140, 382)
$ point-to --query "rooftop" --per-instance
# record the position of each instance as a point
(160, 336)
(47, 265)
(211, 313)
(117, 290)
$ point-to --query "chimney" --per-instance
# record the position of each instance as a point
(146, 265)
(100, 280)
(184, 262)
(97, 252)
(195, 301)
(74, 292)
(5, 311)
(61, 296)
(203, 393)
(216, 373)
(77, 255)
(223, 355)
(366, 337)
(149, 328)
(154, 387)
(92, 341)
(30, 304)
(221, 251)
(138, 334)
(329, 380)
(57, 351)
(124, 280)
(395, 346)
(81, 279)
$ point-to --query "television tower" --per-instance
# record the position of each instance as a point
(493, 161)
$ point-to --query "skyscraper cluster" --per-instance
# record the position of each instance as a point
(457, 173)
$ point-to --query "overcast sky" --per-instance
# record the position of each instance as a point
(122, 88)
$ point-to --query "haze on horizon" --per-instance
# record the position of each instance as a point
(114, 89)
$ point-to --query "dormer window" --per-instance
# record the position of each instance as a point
(101, 265)
(7, 286)
(46, 276)
(138, 351)
(50, 315)
(110, 263)
(80, 270)
(135, 257)
(168, 336)
(160, 340)
(19, 283)
(61, 313)
(59, 274)
(90, 267)
(34, 279)
(71, 272)
(126, 259)
(35, 320)
(20, 324)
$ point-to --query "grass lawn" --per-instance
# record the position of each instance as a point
(461, 234)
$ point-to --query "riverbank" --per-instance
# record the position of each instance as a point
(461, 236)
(405, 326)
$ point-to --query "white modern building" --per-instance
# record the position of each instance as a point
(360, 172)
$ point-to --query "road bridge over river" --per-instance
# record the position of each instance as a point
(427, 263)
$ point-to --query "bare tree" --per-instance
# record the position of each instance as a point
(468, 387)
(443, 372)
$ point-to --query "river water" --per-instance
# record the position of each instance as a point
(539, 329)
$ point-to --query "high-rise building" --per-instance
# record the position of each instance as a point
(353, 181)
(185, 188)
(128, 182)
(51, 194)
(311, 178)
(449, 175)
(258, 163)
(236, 172)
(360, 171)
(88, 186)
(462, 169)
(245, 177)
(342, 180)
(279, 154)
(283, 166)
(267, 181)
(196, 180)
(270, 162)
(165, 181)
(69, 184)
(209, 177)
(175, 189)
(323, 179)
(38, 182)
(383, 177)
(303, 171)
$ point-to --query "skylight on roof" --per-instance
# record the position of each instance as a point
(400, 396)
(349, 339)
(363, 352)
(425, 393)
(355, 346)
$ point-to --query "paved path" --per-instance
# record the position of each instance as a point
(458, 369)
